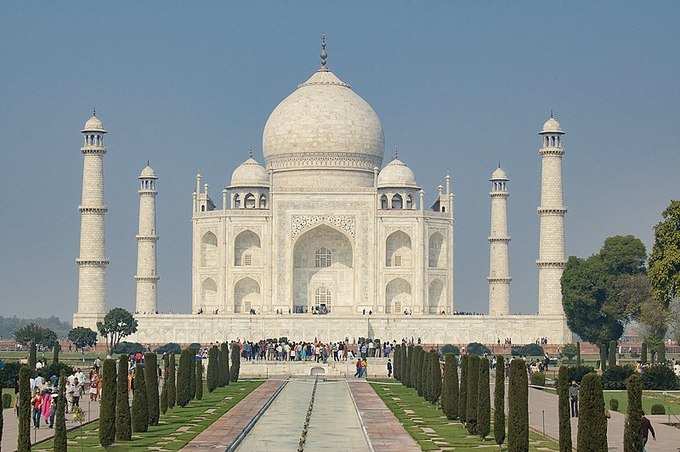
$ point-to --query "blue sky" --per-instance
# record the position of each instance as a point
(458, 86)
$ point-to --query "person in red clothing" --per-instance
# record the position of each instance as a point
(646, 427)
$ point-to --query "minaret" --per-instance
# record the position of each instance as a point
(499, 267)
(92, 261)
(551, 259)
(147, 276)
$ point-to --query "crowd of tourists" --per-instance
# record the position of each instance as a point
(317, 351)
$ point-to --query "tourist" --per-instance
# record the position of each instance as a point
(94, 385)
(646, 427)
(364, 368)
(573, 398)
(46, 407)
(389, 368)
(358, 366)
(36, 403)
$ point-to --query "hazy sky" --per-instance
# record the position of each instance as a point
(458, 86)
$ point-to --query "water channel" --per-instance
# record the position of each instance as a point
(334, 424)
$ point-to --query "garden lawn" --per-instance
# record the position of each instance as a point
(177, 427)
(670, 400)
(418, 417)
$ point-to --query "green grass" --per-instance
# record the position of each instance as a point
(422, 414)
(671, 401)
(170, 434)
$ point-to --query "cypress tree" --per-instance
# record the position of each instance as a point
(405, 369)
(436, 377)
(184, 377)
(472, 394)
(192, 376)
(213, 364)
(612, 353)
(427, 375)
(2, 421)
(235, 363)
(564, 409)
(643, 353)
(395, 364)
(484, 400)
(603, 356)
(24, 438)
(199, 379)
(661, 352)
(123, 422)
(518, 407)
(224, 376)
(140, 404)
(462, 394)
(107, 406)
(164, 390)
(578, 354)
(592, 422)
(450, 387)
(421, 373)
(32, 356)
(172, 386)
(499, 402)
(632, 440)
(55, 353)
(410, 370)
(151, 377)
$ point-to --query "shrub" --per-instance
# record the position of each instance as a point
(527, 350)
(603, 356)
(55, 369)
(107, 406)
(657, 408)
(614, 404)
(576, 373)
(172, 386)
(6, 401)
(436, 377)
(538, 379)
(128, 348)
(199, 379)
(9, 374)
(169, 348)
(235, 363)
(409, 368)
(592, 422)
(183, 377)
(563, 409)
(223, 370)
(632, 441)
(24, 432)
(578, 354)
(484, 400)
(475, 348)
(661, 352)
(194, 346)
(659, 376)
(123, 422)
(151, 378)
(140, 404)
(472, 394)
(518, 407)
(569, 351)
(213, 364)
(60, 443)
(449, 348)
(450, 387)
(615, 377)
(462, 394)
(420, 370)
(499, 402)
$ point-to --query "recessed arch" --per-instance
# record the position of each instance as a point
(249, 201)
(398, 296)
(209, 294)
(247, 249)
(397, 201)
(435, 293)
(209, 250)
(384, 202)
(436, 254)
(247, 295)
(398, 250)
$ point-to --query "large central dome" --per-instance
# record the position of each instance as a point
(326, 127)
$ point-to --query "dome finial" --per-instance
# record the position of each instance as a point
(94, 111)
(324, 55)
(396, 152)
(250, 152)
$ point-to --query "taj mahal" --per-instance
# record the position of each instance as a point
(325, 239)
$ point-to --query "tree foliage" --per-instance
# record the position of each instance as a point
(664, 262)
(60, 444)
(213, 366)
(450, 387)
(462, 393)
(151, 378)
(24, 432)
(35, 334)
(164, 390)
(592, 422)
(484, 400)
(184, 377)
(140, 404)
(82, 337)
(632, 440)
(472, 393)
(56, 348)
(123, 421)
(235, 363)
(107, 405)
(199, 379)
(172, 386)
(518, 407)
(563, 409)
(118, 323)
(499, 402)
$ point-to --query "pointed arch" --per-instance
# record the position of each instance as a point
(397, 296)
(434, 296)
(436, 254)
(398, 250)
(384, 203)
(249, 201)
(397, 201)
(247, 295)
(247, 249)
(209, 250)
(209, 294)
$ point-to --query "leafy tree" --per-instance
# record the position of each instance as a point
(32, 356)
(82, 337)
(151, 378)
(632, 440)
(235, 363)
(450, 387)
(118, 323)
(107, 406)
(643, 353)
(164, 390)
(462, 394)
(664, 262)
(60, 444)
(592, 422)
(578, 354)
(563, 409)
(484, 401)
(213, 365)
(475, 348)
(35, 334)
(612, 353)
(623, 255)
(199, 379)
(569, 351)
(140, 404)
(24, 434)
(518, 407)
(499, 402)
(123, 421)
(55, 353)
(472, 393)
(172, 386)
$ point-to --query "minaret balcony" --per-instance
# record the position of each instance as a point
(92, 262)
(499, 194)
(148, 278)
(554, 211)
(90, 149)
(146, 238)
(93, 210)
(499, 279)
(551, 151)
(551, 264)
(499, 239)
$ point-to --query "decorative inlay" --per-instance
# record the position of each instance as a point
(301, 223)
(323, 160)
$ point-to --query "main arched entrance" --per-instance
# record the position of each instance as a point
(323, 272)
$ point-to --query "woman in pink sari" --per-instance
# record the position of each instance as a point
(46, 406)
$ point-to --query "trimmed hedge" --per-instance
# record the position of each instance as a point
(615, 376)
(184, 377)
(169, 348)
(611, 353)
(527, 350)
(484, 400)
(164, 390)
(123, 421)
(477, 349)
(172, 383)
(657, 408)
(592, 422)
(449, 348)
(6, 401)
(632, 441)
(107, 405)
(577, 373)
(60, 442)
(128, 348)
(538, 379)
(659, 376)
(213, 364)
(199, 379)
(614, 404)
(24, 432)
(224, 376)
(462, 393)
(563, 410)
(450, 387)
(499, 402)
(140, 404)
(472, 394)
(235, 363)
(518, 407)
(151, 378)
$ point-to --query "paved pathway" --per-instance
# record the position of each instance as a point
(11, 427)
(384, 431)
(227, 428)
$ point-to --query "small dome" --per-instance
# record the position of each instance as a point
(499, 174)
(551, 126)
(249, 174)
(396, 174)
(147, 173)
(94, 124)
